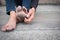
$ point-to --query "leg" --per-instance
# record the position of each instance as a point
(10, 7)
(26, 3)
(18, 3)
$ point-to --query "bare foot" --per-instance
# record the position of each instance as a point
(21, 13)
(11, 23)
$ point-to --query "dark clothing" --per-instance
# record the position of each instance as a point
(10, 4)
(34, 3)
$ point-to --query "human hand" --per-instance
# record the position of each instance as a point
(30, 16)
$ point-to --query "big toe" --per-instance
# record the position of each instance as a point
(10, 28)
(4, 28)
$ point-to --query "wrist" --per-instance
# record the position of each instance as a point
(33, 9)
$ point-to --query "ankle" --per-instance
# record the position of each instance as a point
(13, 14)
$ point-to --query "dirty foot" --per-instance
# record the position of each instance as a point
(11, 25)
(21, 13)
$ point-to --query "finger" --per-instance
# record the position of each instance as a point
(30, 18)
(30, 12)
(26, 21)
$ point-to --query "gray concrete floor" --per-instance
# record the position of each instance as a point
(45, 26)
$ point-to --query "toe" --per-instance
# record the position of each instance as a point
(9, 28)
(4, 28)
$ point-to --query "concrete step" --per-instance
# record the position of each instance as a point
(31, 35)
(45, 26)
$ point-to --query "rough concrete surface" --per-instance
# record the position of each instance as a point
(45, 26)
